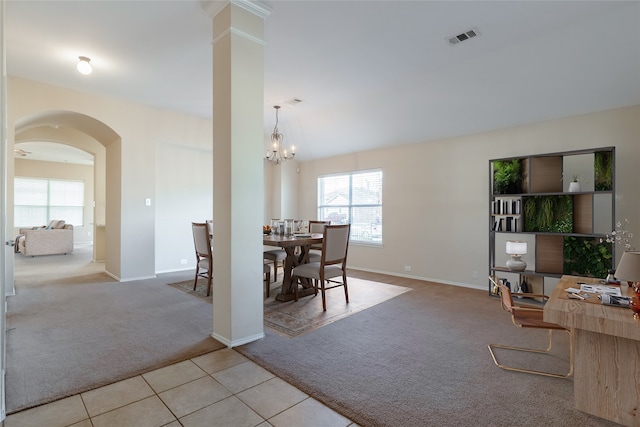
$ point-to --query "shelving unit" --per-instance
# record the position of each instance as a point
(529, 201)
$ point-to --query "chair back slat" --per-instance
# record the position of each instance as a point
(505, 295)
(201, 238)
(335, 242)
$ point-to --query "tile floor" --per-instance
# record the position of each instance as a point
(222, 388)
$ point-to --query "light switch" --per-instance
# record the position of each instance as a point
(147, 202)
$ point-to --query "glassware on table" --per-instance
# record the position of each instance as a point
(288, 230)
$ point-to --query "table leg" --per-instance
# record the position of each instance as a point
(287, 292)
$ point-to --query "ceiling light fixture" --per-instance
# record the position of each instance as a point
(84, 67)
(278, 153)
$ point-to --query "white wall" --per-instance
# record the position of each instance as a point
(435, 194)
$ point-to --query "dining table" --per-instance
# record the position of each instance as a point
(297, 248)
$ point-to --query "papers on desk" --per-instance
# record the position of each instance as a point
(600, 289)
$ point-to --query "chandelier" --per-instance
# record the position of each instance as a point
(278, 154)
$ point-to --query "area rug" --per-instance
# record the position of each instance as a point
(295, 318)
(187, 286)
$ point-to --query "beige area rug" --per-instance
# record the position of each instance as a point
(295, 318)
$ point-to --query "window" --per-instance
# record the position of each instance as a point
(356, 199)
(38, 201)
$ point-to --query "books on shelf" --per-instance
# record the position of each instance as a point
(506, 206)
(507, 223)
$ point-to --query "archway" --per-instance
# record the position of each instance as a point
(95, 137)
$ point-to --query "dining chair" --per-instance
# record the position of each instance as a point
(278, 256)
(528, 316)
(267, 278)
(332, 264)
(316, 249)
(204, 256)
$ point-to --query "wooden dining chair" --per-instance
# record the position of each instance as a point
(204, 256)
(277, 256)
(528, 316)
(332, 264)
(316, 249)
(266, 270)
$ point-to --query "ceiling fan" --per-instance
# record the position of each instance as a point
(20, 152)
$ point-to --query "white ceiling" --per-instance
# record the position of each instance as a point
(370, 73)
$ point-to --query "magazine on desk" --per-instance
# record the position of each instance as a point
(600, 289)
(608, 295)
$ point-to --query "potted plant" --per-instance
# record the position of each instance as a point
(574, 186)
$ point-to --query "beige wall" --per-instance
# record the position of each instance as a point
(142, 151)
(435, 194)
(53, 170)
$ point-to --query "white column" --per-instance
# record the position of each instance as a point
(6, 263)
(238, 192)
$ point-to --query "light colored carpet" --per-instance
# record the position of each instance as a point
(421, 359)
(295, 318)
(69, 334)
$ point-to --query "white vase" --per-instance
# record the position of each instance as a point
(574, 187)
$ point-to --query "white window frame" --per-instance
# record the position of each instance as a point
(47, 206)
(365, 232)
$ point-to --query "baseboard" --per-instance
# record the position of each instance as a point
(239, 342)
(424, 279)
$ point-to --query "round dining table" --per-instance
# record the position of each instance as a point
(297, 248)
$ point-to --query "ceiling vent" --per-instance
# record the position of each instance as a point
(463, 36)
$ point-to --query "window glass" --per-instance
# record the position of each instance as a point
(38, 201)
(356, 199)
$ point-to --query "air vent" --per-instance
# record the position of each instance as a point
(463, 36)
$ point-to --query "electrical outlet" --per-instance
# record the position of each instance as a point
(474, 274)
(407, 268)
(183, 261)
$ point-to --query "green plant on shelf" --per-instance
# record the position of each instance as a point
(551, 214)
(507, 178)
(603, 169)
(584, 256)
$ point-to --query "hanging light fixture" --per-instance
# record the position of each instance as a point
(84, 67)
(278, 154)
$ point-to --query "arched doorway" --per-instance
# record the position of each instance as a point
(95, 137)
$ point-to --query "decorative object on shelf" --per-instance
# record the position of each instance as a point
(629, 269)
(278, 153)
(574, 186)
(621, 235)
(83, 66)
(516, 249)
(507, 176)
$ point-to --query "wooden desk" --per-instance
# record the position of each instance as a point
(606, 352)
(289, 244)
